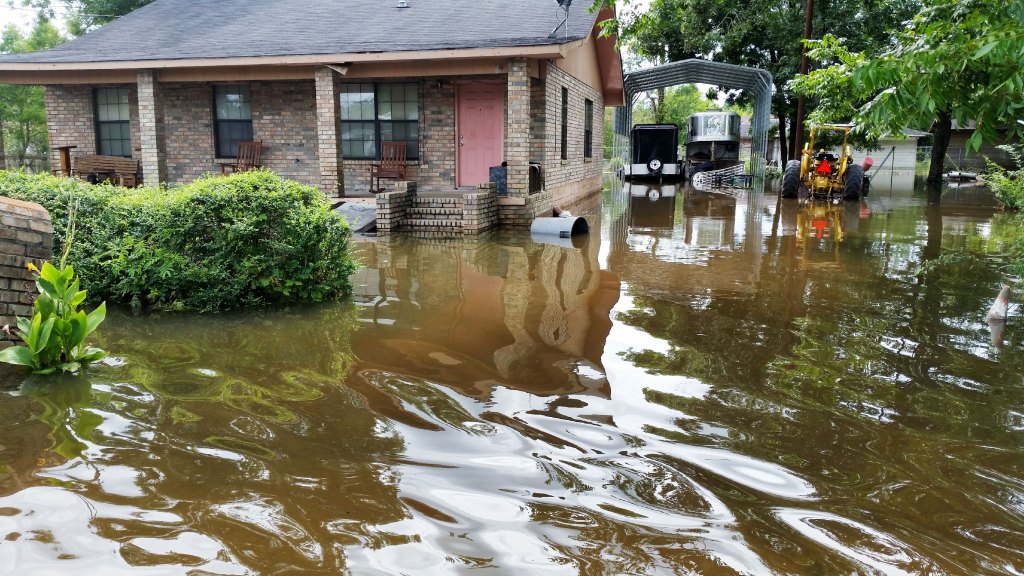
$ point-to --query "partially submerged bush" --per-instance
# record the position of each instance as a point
(1007, 185)
(245, 240)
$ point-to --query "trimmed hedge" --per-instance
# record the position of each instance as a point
(245, 240)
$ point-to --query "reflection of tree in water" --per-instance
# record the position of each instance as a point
(43, 425)
(864, 375)
(215, 416)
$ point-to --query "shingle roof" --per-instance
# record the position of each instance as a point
(186, 29)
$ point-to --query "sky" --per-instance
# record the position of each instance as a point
(21, 17)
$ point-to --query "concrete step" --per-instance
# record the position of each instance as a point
(431, 213)
(431, 225)
(438, 202)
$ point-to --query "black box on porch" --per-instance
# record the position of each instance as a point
(499, 175)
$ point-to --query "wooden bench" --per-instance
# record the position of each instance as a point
(250, 156)
(114, 169)
(391, 165)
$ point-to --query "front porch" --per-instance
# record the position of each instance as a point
(449, 213)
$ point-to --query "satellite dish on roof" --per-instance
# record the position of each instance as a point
(564, 6)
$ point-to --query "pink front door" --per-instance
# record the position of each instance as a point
(481, 111)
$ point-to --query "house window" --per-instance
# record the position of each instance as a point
(113, 129)
(233, 112)
(565, 123)
(375, 113)
(588, 129)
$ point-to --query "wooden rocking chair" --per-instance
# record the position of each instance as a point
(391, 165)
(249, 157)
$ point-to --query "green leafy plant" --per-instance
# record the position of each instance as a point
(55, 336)
(1007, 185)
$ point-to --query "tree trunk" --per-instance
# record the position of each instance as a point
(783, 144)
(793, 152)
(940, 144)
(659, 106)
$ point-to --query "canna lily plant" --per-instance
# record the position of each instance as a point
(55, 336)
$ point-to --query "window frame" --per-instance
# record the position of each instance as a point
(588, 128)
(412, 154)
(565, 123)
(97, 123)
(217, 120)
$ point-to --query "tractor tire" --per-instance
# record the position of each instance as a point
(791, 179)
(854, 182)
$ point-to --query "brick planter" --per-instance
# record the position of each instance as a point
(26, 234)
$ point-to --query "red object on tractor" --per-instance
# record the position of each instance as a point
(824, 167)
(819, 227)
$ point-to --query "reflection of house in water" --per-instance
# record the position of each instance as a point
(681, 242)
(473, 315)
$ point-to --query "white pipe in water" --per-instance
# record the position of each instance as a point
(1000, 306)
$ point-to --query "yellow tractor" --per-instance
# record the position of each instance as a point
(822, 174)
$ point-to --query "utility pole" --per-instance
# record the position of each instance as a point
(801, 103)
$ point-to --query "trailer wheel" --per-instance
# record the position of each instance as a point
(791, 179)
(854, 181)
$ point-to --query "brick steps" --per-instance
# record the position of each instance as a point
(405, 211)
(434, 214)
(418, 213)
(426, 225)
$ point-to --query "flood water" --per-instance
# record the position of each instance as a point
(709, 384)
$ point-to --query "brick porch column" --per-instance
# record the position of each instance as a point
(517, 132)
(151, 129)
(328, 137)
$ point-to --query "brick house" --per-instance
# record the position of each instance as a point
(178, 84)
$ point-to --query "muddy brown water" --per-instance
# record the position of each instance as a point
(709, 385)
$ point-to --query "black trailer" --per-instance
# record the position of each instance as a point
(655, 152)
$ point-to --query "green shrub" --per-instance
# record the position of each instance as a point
(244, 240)
(1007, 185)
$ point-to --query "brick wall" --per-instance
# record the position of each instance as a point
(538, 118)
(480, 210)
(70, 119)
(393, 206)
(26, 234)
(571, 179)
(518, 127)
(328, 143)
(188, 130)
(284, 118)
(151, 128)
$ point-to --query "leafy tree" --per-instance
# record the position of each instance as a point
(957, 60)
(22, 114)
(760, 33)
(84, 15)
(674, 106)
